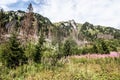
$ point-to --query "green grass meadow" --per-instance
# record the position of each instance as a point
(69, 68)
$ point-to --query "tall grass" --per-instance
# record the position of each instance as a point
(66, 69)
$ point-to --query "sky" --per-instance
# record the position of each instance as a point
(98, 12)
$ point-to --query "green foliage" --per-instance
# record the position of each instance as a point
(104, 47)
(76, 50)
(12, 54)
(90, 32)
(2, 20)
(86, 50)
(1, 15)
(95, 50)
(69, 47)
(113, 48)
(100, 46)
(50, 55)
(75, 69)
(39, 49)
(30, 51)
(113, 44)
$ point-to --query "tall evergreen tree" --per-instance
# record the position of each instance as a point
(39, 49)
(1, 22)
(69, 47)
(12, 53)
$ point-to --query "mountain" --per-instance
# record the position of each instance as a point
(89, 31)
(28, 26)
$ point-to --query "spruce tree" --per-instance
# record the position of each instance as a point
(12, 53)
(39, 49)
(1, 22)
(67, 48)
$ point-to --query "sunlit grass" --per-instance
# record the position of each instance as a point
(67, 69)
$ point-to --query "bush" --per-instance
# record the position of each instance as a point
(105, 47)
(49, 56)
(101, 47)
(30, 51)
(85, 50)
(76, 51)
(95, 49)
(69, 47)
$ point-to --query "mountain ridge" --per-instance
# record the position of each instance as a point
(86, 31)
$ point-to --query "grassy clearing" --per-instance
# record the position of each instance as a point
(66, 69)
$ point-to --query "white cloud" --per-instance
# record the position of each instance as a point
(4, 7)
(37, 1)
(25, 0)
(5, 2)
(104, 12)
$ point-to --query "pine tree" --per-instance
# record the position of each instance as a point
(27, 26)
(30, 8)
(1, 22)
(39, 49)
(12, 53)
(67, 48)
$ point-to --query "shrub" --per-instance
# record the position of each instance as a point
(100, 46)
(105, 47)
(95, 49)
(49, 56)
(85, 50)
(30, 51)
(69, 47)
(76, 51)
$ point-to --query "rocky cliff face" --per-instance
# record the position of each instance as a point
(26, 24)
(29, 25)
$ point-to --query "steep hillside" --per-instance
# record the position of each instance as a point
(24, 23)
(89, 31)
(29, 25)
(93, 32)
